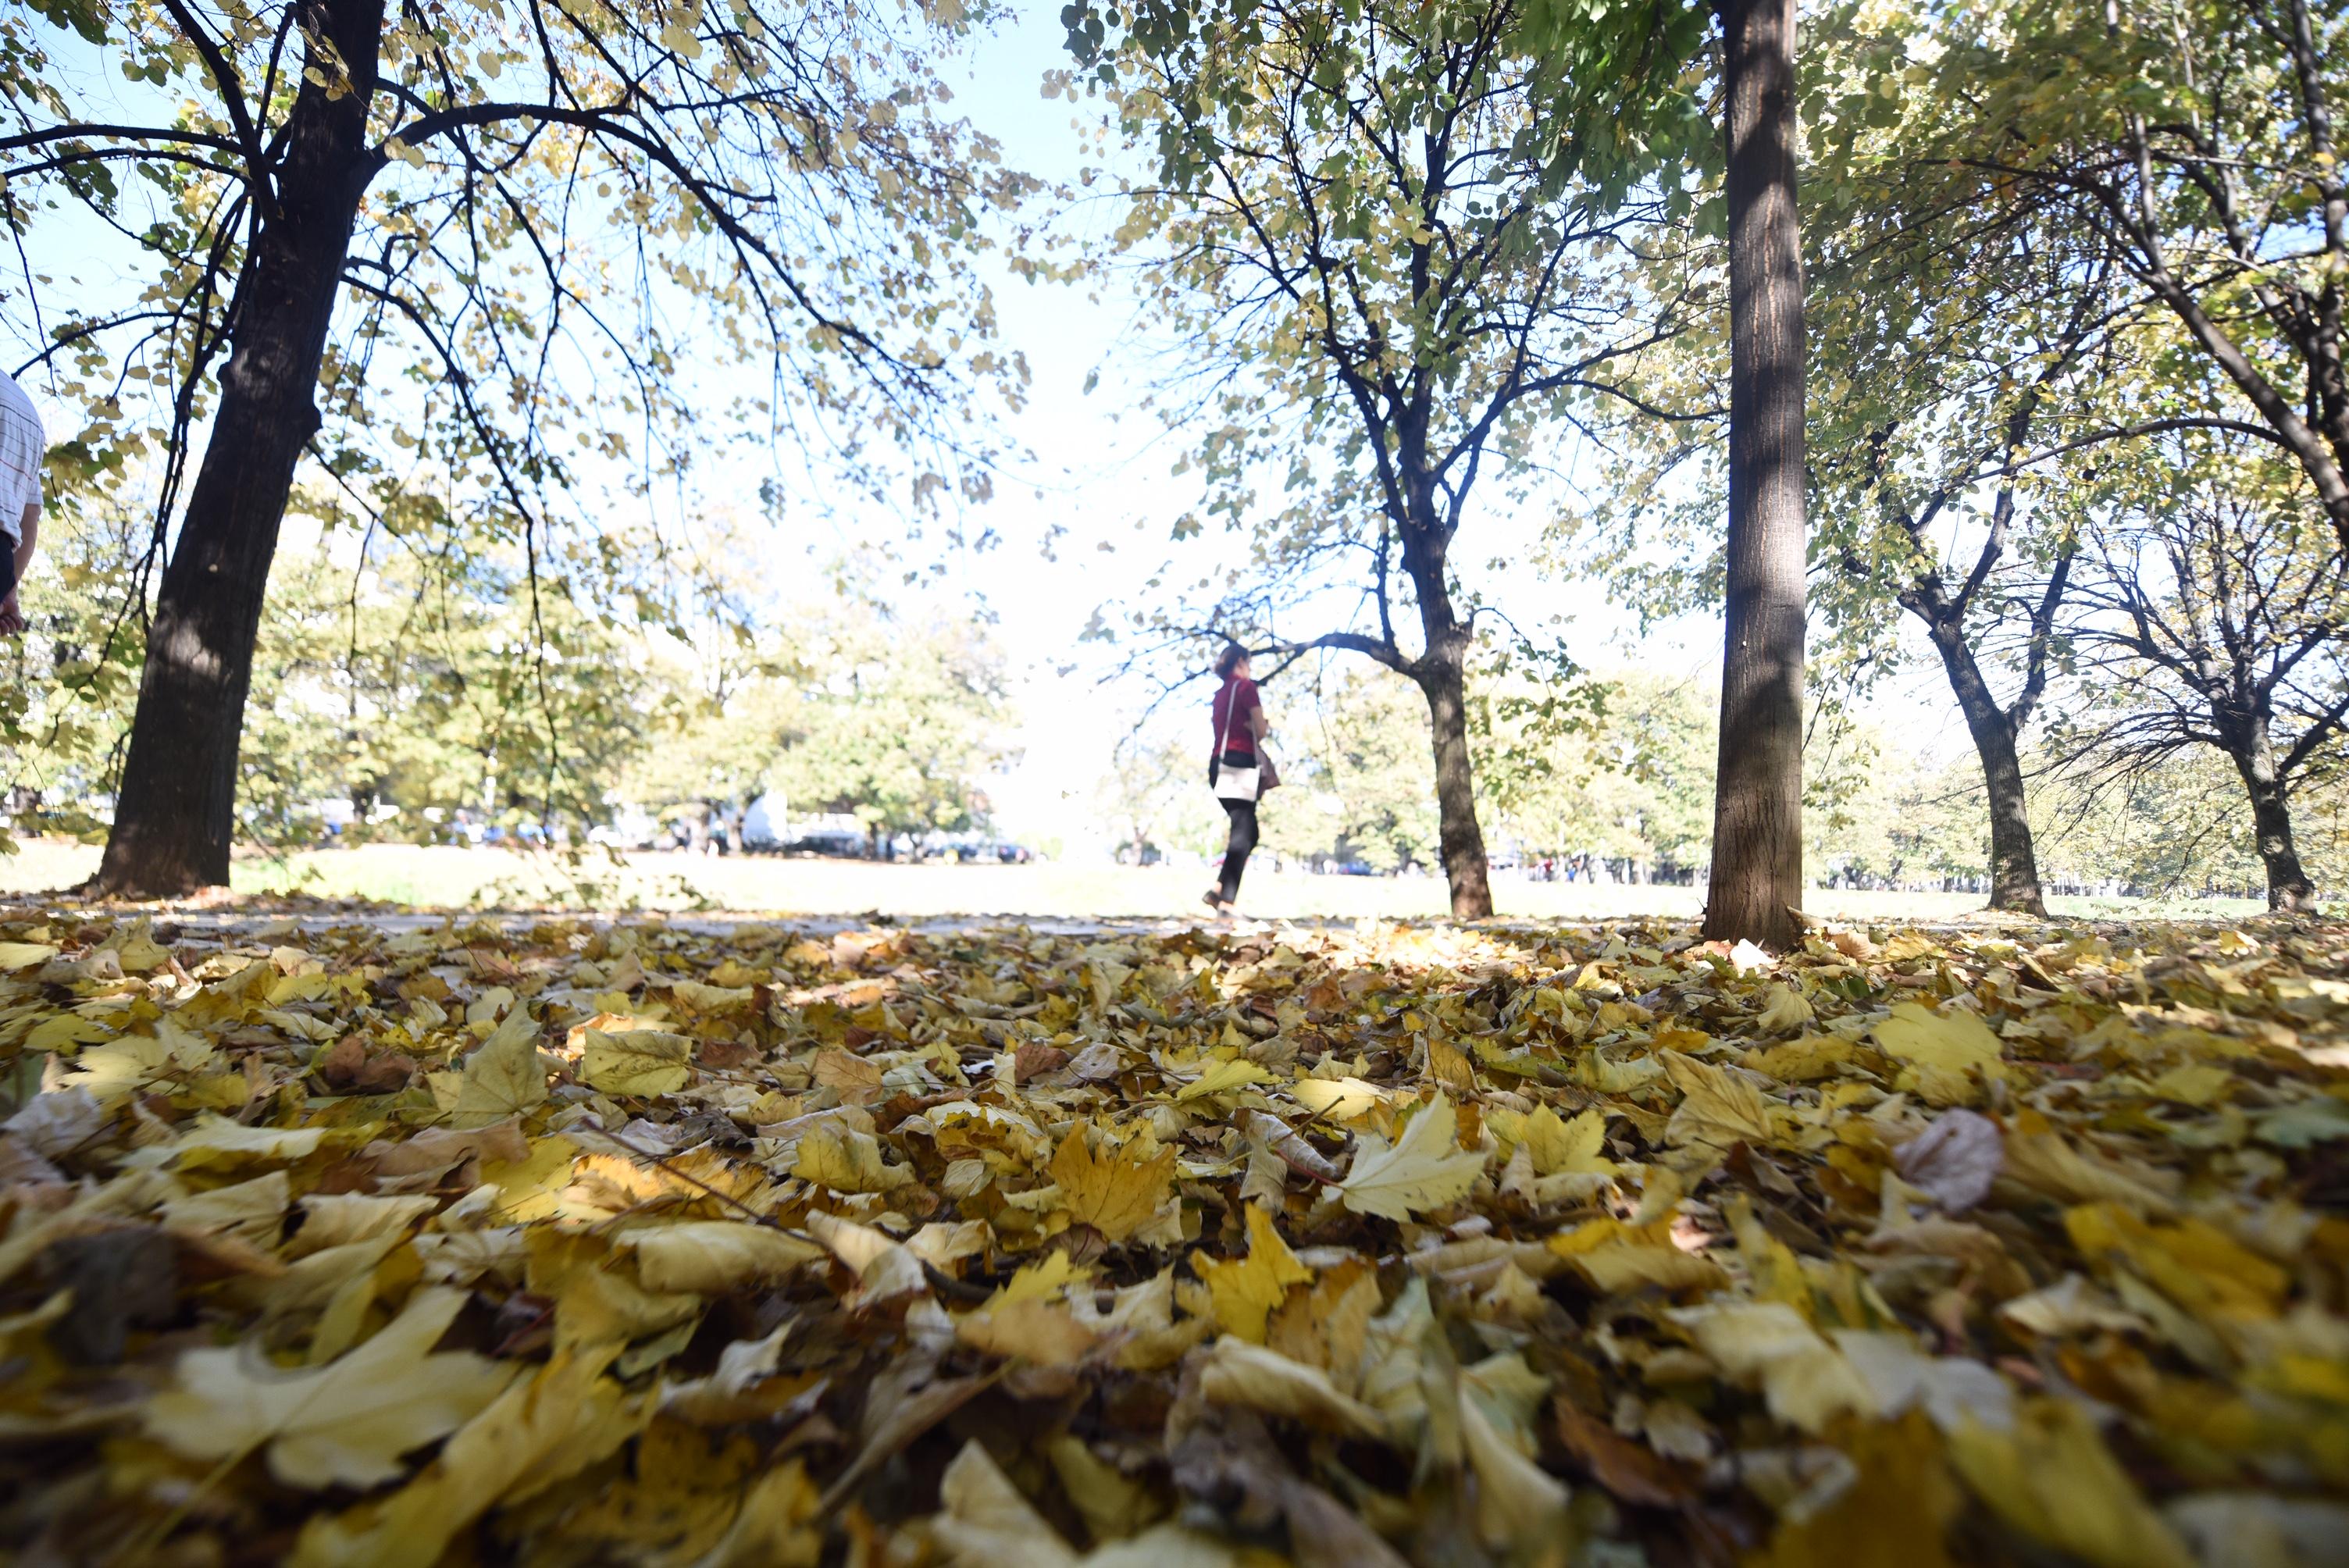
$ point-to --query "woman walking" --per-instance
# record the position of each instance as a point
(1237, 767)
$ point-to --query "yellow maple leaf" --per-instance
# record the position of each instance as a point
(636, 1061)
(115, 1071)
(1424, 1168)
(1245, 1291)
(2194, 1264)
(1805, 1382)
(1047, 1279)
(1115, 1193)
(1236, 1373)
(1028, 1330)
(711, 1257)
(1945, 1052)
(541, 1431)
(503, 1078)
(2052, 1478)
(348, 1422)
(1340, 1099)
(836, 1155)
(1716, 1108)
(1223, 1077)
(1556, 1144)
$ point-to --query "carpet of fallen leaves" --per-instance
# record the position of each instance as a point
(590, 1244)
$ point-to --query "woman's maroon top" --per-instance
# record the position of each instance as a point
(1234, 704)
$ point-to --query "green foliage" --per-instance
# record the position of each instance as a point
(436, 682)
(1633, 781)
(898, 723)
(1359, 779)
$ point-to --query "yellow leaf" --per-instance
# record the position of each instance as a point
(1717, 1107)
(1238, 1373)
(1517, 1503)
(988, 1524)
(1028, 1330)
(254, 1211)
(1783, 1008)
(2043, 1158)
(216, 1139)
(1223, 1077)
(137, 949)
(115, 1071)
(1245, 1290)
(532, 1188)
(1423, 1169)
(2053, 1479)
(597, 1306)
(836, 1155)
(1557, 1145)
(1800, 1061)
(856, 1080)
(2195, 1084)
(24, 954)
(1114, 1504)
(1947, 1052)
(64, 1031)
(1046, 1280)
(348, 1422)
(504, 1078)
(636, 1062)
(1621, 1268)
(2194, 1264)
(1340, 1099)
(1894, 1512)
(338, 1219)
(1113, 1192)
(1805, 1382)
(709, 1257)
(703, 997)
(775, 1527)
(542, 1431)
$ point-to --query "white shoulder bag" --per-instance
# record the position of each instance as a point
(1231, 783)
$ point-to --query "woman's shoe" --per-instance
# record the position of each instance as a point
(1213, 899)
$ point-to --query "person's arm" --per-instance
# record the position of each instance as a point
(1258, 725)
(12, 619)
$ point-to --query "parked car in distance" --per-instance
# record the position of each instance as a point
(832, 842)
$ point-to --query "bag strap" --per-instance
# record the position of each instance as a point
(1224, 730)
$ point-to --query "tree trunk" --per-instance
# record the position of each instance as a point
(2013, 858)
(175, 816)
(1758, 825)
(1443, 683)
(1442, 674)
(2288, 885)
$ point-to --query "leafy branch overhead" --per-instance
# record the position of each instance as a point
(470, 271)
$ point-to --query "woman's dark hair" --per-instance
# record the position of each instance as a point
(1229, 660)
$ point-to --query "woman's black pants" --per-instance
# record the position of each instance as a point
(1236, 854)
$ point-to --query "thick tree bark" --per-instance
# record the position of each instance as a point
(2288, 885)
(174, 820)
(1441, 674)
(2013, 858)
(1757, 833)
(1443, 683)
